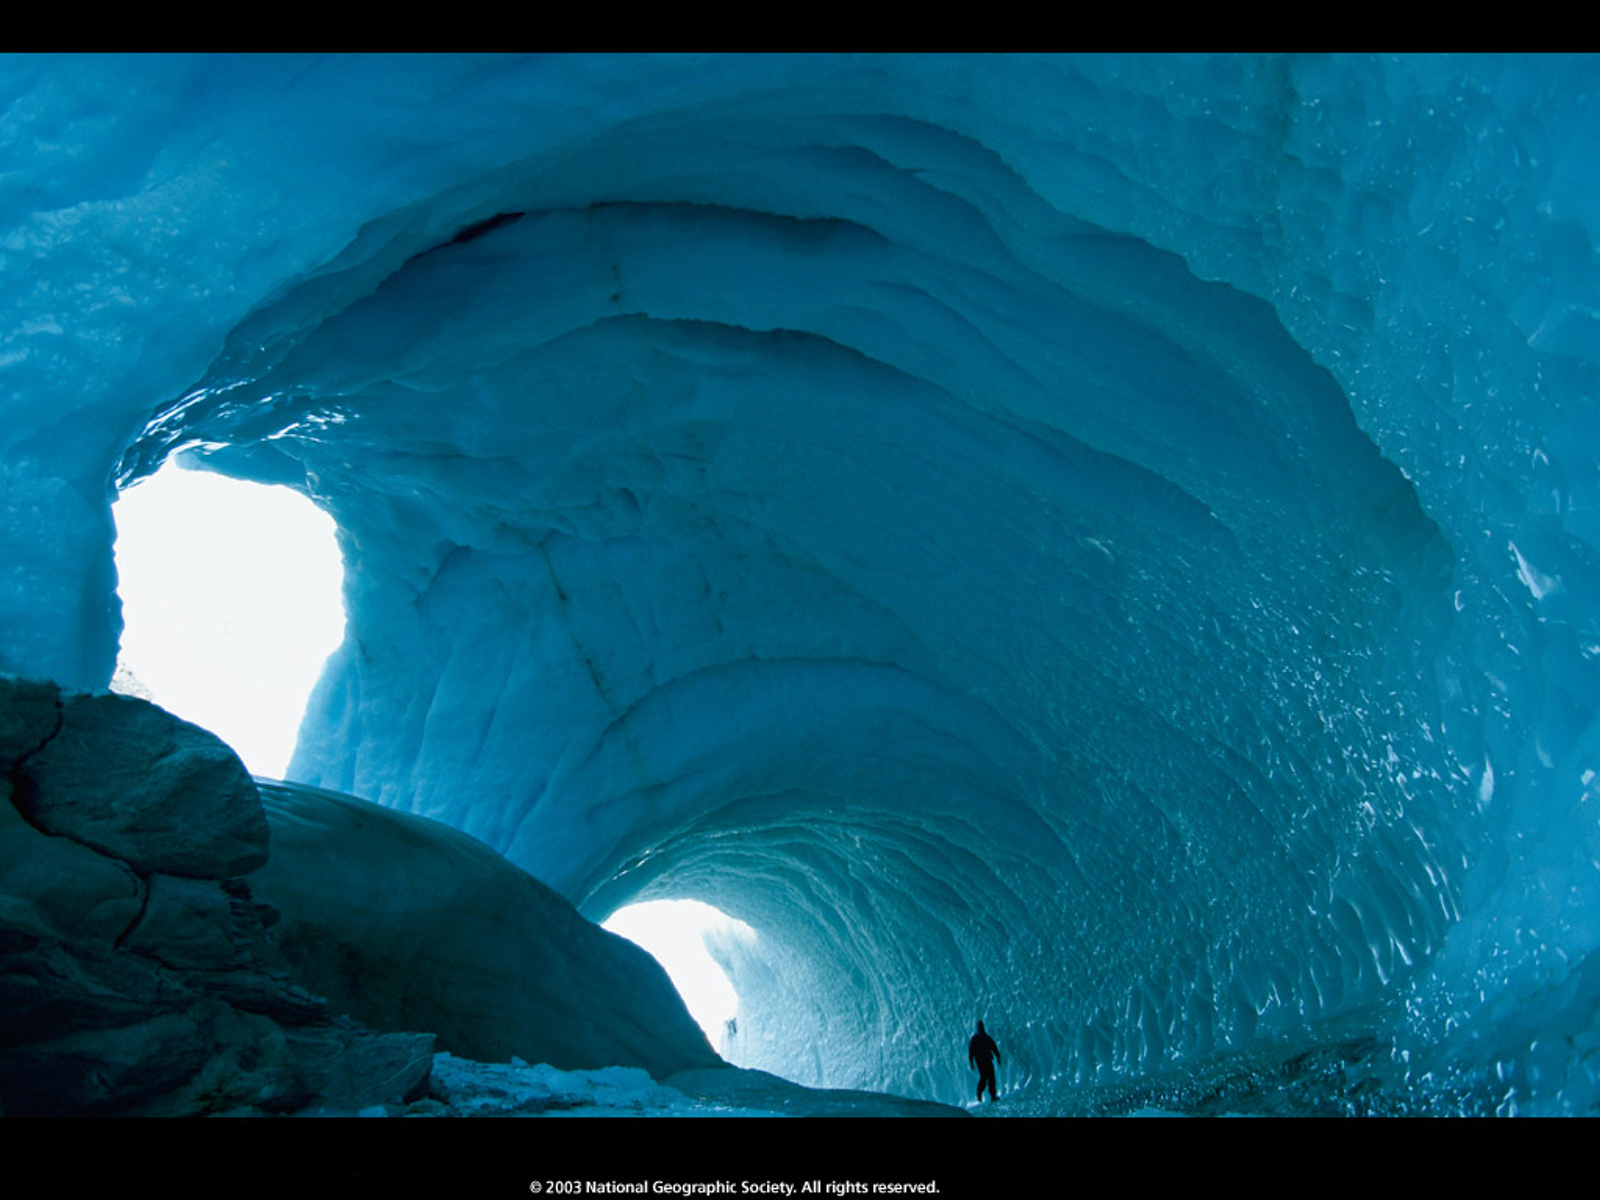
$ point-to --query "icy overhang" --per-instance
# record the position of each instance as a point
(1029, 536)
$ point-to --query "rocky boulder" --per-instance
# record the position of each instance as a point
(30, 712)
(133, 972)
(136, 783)
(142, 973)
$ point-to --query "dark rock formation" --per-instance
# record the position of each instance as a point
(138, 974)
(29, 716)
(134, 782)
(405, 923)
(132, 977)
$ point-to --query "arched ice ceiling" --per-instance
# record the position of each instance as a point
(1013, 531)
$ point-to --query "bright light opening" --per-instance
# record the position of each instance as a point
(674, 932)
(230, 603)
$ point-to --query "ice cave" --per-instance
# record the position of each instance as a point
(1092, 544)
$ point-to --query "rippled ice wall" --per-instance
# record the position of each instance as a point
(1105, 545)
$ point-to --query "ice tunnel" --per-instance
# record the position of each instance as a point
(1102, 545)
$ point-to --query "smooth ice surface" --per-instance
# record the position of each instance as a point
(1098, 544)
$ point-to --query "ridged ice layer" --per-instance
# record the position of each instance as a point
(1097, 545)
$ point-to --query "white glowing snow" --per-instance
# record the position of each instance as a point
(675, 933)
(230, 598)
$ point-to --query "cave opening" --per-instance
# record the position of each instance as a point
(680, 935)
(231, 604)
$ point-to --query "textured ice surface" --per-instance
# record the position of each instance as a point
(473, 1089)
(1104, 545)
(516, 1089)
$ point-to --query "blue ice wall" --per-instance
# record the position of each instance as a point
(1101, 544)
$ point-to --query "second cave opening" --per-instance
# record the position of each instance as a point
(679, 934)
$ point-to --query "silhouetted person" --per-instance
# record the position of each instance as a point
(982, 1053)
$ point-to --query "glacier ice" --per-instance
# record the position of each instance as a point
(1100, 544)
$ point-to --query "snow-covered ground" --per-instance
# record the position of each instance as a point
(460, 1087)
(472, 1089)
